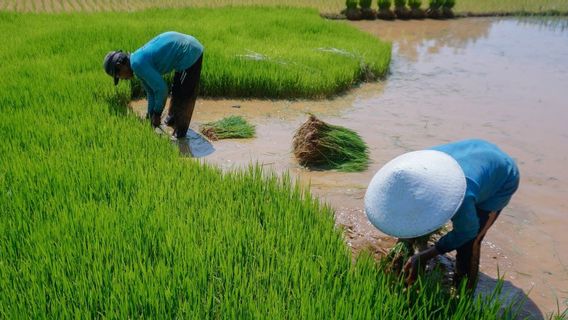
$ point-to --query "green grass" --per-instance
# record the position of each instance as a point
(476, 6)
(228, 127)
(263, 52)
(558, 314)
(101, 219)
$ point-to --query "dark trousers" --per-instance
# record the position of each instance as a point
(467, 257)
(184, 94)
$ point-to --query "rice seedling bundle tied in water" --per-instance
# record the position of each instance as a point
(321, 145)
(227, 128)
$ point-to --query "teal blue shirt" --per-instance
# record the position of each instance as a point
(166, 52)
(491, 176)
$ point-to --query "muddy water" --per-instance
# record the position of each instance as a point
(500, 80)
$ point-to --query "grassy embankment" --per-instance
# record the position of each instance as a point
(99, 219)
(326, 6)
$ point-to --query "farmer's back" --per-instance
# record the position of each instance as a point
(168, 51)
(491, 175)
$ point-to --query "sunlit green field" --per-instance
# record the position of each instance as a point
(257, 53)
(101, 218)
(477, 6)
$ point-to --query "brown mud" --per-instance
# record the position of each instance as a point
(497, 79)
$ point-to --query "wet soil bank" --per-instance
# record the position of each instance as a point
(503, 80)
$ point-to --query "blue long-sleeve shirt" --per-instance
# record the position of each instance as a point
(491, 176)
(166, 52)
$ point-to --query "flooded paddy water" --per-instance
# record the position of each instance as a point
(504, 80)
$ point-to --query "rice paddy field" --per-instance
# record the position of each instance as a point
(475, 6)
(101, 218)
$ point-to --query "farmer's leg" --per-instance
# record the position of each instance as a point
(463, 259)
(467, 258)
(175, 101)
(190, 88)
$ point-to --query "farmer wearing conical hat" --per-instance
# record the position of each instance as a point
(166, 52)
(469, 182)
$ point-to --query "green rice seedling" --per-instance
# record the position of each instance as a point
(230, 127)
(560, 315)
(366, 12)
(400, 9)
(308, 58)
(449, 4)
(398, 255)
(435, 9)
(101, 218)
(365, 4)
(320, 145)
(415, 11)
(385, 12)
(351, 4)
(414, 4)
(435, 4)
(405, 248)
(352, 12)
(400, 4)
(384, 4)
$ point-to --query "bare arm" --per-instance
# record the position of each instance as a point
(412, 265)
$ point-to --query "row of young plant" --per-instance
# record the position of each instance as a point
(403, 9)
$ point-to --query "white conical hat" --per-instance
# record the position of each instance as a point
(415, 193)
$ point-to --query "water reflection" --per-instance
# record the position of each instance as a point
(559, 24)
(194, 145)
(413, 38)
(503, 80)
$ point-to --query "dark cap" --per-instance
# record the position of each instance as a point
(111, 61)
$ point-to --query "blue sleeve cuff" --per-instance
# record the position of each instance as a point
(149, 97)
(160, 100)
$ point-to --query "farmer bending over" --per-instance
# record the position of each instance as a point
(416, 193)
(166, 52)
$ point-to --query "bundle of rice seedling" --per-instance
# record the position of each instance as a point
(229, 127)
(398, 255)
(405, 248)
(323, 146)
